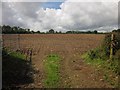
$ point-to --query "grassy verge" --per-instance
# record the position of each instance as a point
(15, 69)
(52, 71)
(6, 52)
(102, 63)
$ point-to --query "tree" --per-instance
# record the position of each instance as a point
(56, 32)
(38, 32)
(28, 30)
(95, 31)
(32, 32)
(51, 31)
(59, 32)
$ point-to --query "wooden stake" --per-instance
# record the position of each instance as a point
(19, 41)
(111, 47)
(30, 55)
(3, 42)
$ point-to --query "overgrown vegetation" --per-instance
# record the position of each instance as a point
(100, 57)
(15, 69)
(52, 71)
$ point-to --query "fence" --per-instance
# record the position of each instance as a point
(114, 44)
(12, 43)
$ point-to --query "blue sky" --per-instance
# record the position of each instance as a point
(53, 5)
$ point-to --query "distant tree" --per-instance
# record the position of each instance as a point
(60, 32)
(118, 30)
(95, 31)
(38, 32)
(6, 29)
(69, 32)
(28, 31)
(51, 31)
(56, 32)
(32, 32)
(88, 32)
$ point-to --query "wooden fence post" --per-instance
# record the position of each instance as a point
(111, 47)
(27, 54)
(30, 55)
(19, 41)
(3, 42)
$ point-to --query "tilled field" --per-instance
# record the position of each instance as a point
(74, 72)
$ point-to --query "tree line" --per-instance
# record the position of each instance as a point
(6, 29)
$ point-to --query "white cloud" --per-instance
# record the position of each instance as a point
(72, 16)
(60, 0)
(0, 12)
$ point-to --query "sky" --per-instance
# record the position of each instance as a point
(51, 5)
(61, 16)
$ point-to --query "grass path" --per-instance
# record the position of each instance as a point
(51, 65)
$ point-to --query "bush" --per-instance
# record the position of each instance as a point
(102, 53)
(117, 61)
(100, 58)
(107, 43)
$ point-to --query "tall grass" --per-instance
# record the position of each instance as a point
(100, 57)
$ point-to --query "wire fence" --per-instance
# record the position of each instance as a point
(12, 42)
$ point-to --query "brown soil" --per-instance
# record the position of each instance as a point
(75, 73)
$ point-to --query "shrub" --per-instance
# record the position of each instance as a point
(107, 43)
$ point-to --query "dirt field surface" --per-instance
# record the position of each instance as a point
(75, 73)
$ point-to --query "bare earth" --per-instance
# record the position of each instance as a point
(75, 73)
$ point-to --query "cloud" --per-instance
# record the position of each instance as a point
(101, 16)
(90, 15)
(0, 12)
(19, 13)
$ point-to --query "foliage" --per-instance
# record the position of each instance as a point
(16, 70)
(100, 57)
(6, 29)
(107, 43)
(82, 32)
(101, 62)
(97, 54)
(118, 30)
(51, 31)
(52, 71)
(102, 53)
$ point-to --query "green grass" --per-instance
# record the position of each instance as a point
(101, 62)
(52, 71)
(88, 60)
(97, 58)
(18, 55)
(16, 70)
